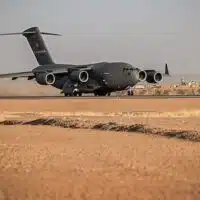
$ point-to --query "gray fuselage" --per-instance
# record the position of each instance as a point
(104, 76)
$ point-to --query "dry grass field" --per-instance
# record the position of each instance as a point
(56, 163)
(100, 149)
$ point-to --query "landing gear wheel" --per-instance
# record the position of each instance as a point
(67, 95)
(108, 93)
(101, 93)
(75, 94)
(130, 93)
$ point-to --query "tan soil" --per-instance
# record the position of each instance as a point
(56, 163)
(99, 105)
(44, 162)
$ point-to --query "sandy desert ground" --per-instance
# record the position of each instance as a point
(100, 149)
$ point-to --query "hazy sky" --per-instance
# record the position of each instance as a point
(145, 33)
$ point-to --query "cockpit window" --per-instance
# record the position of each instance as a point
(127, 69)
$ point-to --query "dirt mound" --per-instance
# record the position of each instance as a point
(108, 126)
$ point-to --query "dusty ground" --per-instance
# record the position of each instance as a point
(99, 105)
(32, 88)
(112, 150)
(81, 164)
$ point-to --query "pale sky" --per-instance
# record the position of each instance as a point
(145, 33)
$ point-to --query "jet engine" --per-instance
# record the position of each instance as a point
(81, 76)
(45, 78)
(153, 76)
(142, 75)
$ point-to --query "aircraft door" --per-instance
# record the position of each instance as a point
(109, 79)
(128, 75)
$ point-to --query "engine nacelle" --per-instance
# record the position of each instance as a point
(158, 77)
(154, 77)
(142, 76)
(45, 78)
(81, 76)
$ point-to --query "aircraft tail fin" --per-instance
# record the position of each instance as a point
(37, 44)
(166, 70)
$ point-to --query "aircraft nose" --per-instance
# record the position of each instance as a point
(135, 74)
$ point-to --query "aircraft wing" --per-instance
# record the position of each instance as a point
(87, 68)
(17, 75)
(60, 71)
(65, 70)
(30, 74)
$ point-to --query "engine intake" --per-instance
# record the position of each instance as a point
(81, 76)
(142, 76)
(154, 77)
(158, 77)
(45, 78)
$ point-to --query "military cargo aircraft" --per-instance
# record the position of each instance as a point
(100, 78)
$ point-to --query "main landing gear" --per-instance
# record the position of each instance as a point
(102, 93)
(74, 93)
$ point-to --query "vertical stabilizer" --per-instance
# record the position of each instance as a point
(37, 44)
(166, 70)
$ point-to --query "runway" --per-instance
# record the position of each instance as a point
(101, 97)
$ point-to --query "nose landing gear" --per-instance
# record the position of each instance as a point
(130, 91)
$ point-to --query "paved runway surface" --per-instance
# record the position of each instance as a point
(102, 97)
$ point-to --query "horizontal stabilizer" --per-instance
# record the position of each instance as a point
(37, 44)
(11, 33)
(45, 33)
(29, 32)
